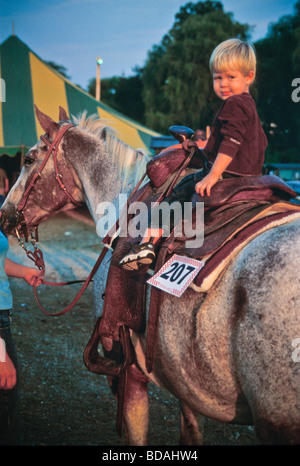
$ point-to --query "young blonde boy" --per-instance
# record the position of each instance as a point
(237, 142)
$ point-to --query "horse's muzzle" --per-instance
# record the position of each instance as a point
(8, 221)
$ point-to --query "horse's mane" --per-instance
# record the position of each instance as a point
(127, 158)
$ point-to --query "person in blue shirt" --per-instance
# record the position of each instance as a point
(8, 356)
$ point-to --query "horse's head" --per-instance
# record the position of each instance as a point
(47, 183)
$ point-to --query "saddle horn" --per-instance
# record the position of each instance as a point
(181, 133)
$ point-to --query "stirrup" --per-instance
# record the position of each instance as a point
(103, 365)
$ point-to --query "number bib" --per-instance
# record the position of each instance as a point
(176, 274)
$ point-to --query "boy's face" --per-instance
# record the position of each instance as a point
(231, 82)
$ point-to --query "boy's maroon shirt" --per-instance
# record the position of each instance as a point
(237, 132)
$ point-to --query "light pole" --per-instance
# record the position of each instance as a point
(98, 86)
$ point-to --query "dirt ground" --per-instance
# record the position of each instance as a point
(61, 402)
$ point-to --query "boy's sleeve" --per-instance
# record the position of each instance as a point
(233, 119)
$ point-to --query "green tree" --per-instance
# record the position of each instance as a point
(122, 94)
(278, 64)
(176, 78)
(60, 68)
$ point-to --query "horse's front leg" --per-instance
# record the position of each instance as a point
(192, 426)
(136, 408)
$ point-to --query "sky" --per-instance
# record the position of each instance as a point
(73, 33)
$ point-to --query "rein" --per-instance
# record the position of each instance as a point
(37, 258)
(81, 291)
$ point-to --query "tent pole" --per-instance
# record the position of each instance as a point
(22, 157)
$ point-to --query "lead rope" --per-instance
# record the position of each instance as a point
(37, 257)
(81, 291)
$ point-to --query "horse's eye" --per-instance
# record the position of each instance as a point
(28, 160)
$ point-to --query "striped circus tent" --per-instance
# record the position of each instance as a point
(27, 80)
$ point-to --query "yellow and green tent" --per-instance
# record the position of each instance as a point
(27, 81)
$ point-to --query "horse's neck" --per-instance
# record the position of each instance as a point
(104, 183)
(114, 193)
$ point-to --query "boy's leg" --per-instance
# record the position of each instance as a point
(144, 252)
(152, 235)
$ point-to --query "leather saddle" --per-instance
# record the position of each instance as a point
(245, 188)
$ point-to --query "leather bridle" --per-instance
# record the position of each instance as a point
(21, 227)
(37, 256)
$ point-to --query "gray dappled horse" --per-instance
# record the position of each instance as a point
(227, 354)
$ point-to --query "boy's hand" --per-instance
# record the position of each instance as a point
(206, 184)
(220, 164)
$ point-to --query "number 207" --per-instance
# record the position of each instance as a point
(177, 272)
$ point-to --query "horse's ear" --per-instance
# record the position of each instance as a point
(48, 125)
(63, 115)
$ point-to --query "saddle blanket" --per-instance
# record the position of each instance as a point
(216, 263)
(215, 259)
(181, 272)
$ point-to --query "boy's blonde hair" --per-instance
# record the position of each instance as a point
(233, 54)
